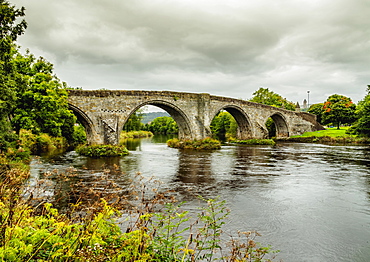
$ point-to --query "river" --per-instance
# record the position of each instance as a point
(311, 201)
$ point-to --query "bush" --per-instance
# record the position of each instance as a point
(134, 134)
(79, 136)
(203, 144)
(102, 150)
(41, 143)
(255, 142)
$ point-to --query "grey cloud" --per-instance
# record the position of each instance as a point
(221, 47)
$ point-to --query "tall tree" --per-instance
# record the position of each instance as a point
(362, 126)
(267, 97)
(318, 110)
(338, 109)
(41, 104)
(11, 26)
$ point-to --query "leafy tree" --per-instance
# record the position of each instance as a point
(224, 126)
(267, 97)
(41, 104)
(318, 110)
(134, 122)
(163, 125)
(362, 126)
(338, 109)
(10, 28)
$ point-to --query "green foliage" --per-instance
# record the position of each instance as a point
(330, 136)
(338, 109)
(203, 144)
(11, 26)
(362, 126)
(318, 110)
(39, 143)
(330, 132)
(168, 239)
(102, 150)
(267, 97)
(134, 122)
(134, 134)
(163, 125)
(31, 97)
(42, 106)
(79, 135)
(255, 142)
(224, 126)
(271, 127)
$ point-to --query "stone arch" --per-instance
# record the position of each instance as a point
(85, 121)
(244, 130)
(182, 120)
(281, 124)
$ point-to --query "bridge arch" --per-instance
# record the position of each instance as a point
(182, 120)
(244, 130)
(281, 124)
(85, 121)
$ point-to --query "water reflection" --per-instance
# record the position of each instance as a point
(194, 167)
(311, 201)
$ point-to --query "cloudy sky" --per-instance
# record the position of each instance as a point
(222, 47)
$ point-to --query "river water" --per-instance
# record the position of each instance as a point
(311, 201)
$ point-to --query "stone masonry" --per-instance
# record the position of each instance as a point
(104, 113)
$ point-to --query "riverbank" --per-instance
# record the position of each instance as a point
(330, 135)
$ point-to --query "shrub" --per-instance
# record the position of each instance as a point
(102, 150)
(41, 143)
(79, 136)
(255, 142)
(135, 134)
(203, 144)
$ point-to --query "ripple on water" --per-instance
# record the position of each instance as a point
(311, 201)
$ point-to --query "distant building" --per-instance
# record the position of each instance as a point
(305, 106)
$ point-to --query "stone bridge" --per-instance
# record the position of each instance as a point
(103, 113)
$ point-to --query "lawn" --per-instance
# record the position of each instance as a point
(331, 132)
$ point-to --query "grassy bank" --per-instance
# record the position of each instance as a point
(330, 135)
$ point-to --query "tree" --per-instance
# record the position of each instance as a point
(41, 102)
(224, 125)
(338, 109)
(362, 126)
(318, 110)
(134, 122)
(267, 97)
(9, 31)
(163, 125)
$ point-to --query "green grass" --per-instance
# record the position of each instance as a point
(330, 132)
(330, 136)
